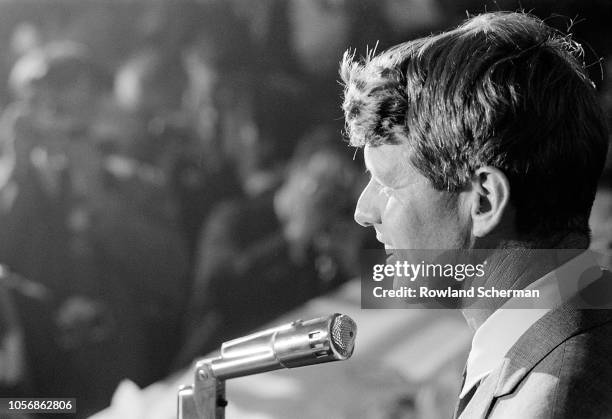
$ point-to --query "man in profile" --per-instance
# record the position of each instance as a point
(490, 136)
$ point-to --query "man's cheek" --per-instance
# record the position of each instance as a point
(398, 228)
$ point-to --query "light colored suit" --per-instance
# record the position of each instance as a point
(560, 368)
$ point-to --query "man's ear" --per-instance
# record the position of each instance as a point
(490, 200)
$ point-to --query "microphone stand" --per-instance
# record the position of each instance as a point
(205, 399)
(292, 345)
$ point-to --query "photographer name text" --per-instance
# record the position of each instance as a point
(471, 292)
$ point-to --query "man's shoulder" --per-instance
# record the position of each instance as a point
(583, 368)
(581, 352)
(573, 380)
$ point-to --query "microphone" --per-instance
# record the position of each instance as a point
(292, 345)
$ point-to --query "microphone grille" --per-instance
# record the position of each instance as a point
(343, 333)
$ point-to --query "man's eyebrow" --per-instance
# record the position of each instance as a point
(369, 172)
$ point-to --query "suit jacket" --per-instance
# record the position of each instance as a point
(560, 368)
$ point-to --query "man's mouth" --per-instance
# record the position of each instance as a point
(390, 259)
(388, 247)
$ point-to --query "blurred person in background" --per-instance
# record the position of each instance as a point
(47, 126)
(298, 232)
(150, 86)
(111, 268)
(313, 204)
(248, 138)
(19, 312)
(27, 330)
(218, 105)
(172, 103)
(36, 217)
(317, 32)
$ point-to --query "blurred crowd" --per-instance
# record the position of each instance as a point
(172, 175)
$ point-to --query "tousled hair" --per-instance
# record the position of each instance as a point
(503, 90)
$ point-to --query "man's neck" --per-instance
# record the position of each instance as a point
(516, 266)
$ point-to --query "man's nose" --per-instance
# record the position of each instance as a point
(366, 212)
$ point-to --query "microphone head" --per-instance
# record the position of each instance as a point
(297, 344)
(343, 332)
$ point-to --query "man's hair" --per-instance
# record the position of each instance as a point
(502, 90)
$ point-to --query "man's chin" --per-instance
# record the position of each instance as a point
(390, 256)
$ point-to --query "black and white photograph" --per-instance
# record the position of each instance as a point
(305, 209)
